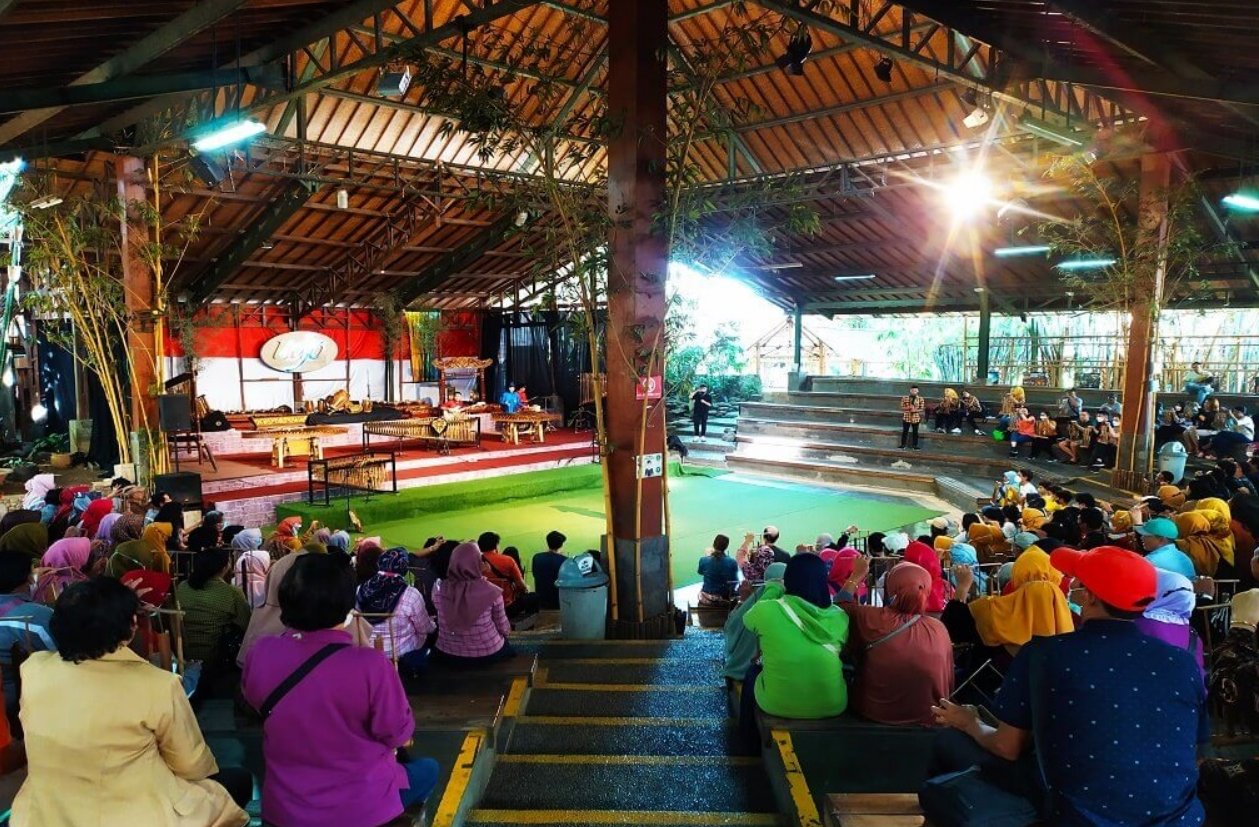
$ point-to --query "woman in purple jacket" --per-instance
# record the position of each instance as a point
(1167, 618)
(345, 771)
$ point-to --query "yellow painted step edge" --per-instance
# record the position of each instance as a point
(622, 817)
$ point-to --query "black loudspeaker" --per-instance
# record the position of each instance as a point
(209, 170)
(174, 412)
(184, 487)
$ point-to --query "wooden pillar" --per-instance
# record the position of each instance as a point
(138, 286)
(985, 337)
(637, 37)
(1136, 428)
(797, 339)
(295, 323)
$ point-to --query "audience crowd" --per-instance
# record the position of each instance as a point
(1023, 633)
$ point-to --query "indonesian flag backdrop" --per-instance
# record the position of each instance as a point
(232, 377)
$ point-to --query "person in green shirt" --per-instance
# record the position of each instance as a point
(800, 635)
(210, 605)
(741, 643)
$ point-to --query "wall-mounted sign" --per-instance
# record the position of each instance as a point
(301, 351)
(651, 387)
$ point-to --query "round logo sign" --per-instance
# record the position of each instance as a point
(301, 351)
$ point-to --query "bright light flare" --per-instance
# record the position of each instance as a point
(968, 194)
(228, 134)
(38, 412)
(1245, 202)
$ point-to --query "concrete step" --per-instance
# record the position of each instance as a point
(800, 412)
(624, 818)
(710, 784)
(958, 492)
(1036, 397)
(631, 670)
(533, 736)
(695, 645)
(879, 435)
(598, 702)
(929, 461)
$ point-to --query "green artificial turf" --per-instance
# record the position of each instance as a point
(524, 507)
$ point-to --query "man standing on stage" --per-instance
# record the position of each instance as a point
(912, 408)
(701, 403)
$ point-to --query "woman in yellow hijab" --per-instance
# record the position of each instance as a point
(1036, 608)
(1196, 540)
(942, 545)
(989, 541)
(1171, 496)
(1221, 517)
(1033, 519)
(154, 537)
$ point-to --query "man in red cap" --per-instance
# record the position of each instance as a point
(1098, 727)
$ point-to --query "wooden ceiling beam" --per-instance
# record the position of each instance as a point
(201, 16)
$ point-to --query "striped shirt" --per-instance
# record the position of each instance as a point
(409, 627)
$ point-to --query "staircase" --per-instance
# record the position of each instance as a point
(626, 732)
(848, 431)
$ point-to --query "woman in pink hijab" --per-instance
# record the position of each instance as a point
(841, 570)
(925, 556)
(472, 624)
(62, 564)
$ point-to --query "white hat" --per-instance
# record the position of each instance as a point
(896, 541)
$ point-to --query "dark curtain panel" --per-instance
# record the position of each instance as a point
(528, 355)
(56, 382)
(492, 346)
(104, 447)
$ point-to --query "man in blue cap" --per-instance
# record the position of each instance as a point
(1158, 544)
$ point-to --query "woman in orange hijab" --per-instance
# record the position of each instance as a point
(1171, 496)
(287, 533)
(1035, 608)
(1221, 518)
(989, 541)
(1197, 541)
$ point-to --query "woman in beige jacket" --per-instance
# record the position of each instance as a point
(111, 740)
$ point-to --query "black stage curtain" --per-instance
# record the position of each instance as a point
(57, 387)
(492, 346)
(546, 351)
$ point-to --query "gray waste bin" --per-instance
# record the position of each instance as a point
(1171, 458)
(583, 589)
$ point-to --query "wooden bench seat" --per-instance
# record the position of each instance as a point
(873, 810)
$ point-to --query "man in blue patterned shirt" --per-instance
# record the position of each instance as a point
(1108, 719)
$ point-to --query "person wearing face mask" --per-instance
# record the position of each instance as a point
(1079, 438)
(1106, 443)
(1045, 435)
(913, 407)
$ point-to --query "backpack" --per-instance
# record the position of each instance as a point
(1229, 790)
(1233, 682)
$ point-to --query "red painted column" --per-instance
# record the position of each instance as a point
(1136, 429)
(138, 286)
(637, 38)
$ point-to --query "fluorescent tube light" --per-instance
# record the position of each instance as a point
(1242, 201)
(855, 278)
(1086, 264)
(232, 133)
(1026, 250)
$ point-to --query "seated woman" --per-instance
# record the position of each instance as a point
(149, 552)
(405, 632)
(800, 635)
(740, 642)
(289, 532)
(904, 659)
(720, 572)
(1035, 606)
(124, 727)
(472, 625)
(250, 569)
(1167, 618)
(212, 607)
(61, 565)
(208, 534)
(923, 555)
(949, 413)
(841, 570)
(331, 740)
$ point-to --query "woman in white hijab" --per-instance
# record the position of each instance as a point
(37, 487)
(251, 566)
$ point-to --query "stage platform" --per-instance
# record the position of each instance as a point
(247, 488)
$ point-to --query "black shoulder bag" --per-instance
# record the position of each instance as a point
(294, 679)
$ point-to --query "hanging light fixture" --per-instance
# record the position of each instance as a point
(798, 50)
(883, 69)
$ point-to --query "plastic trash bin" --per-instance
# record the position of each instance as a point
(583, 589)
(1171, 458)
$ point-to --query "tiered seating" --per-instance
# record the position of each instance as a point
(848, 431)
